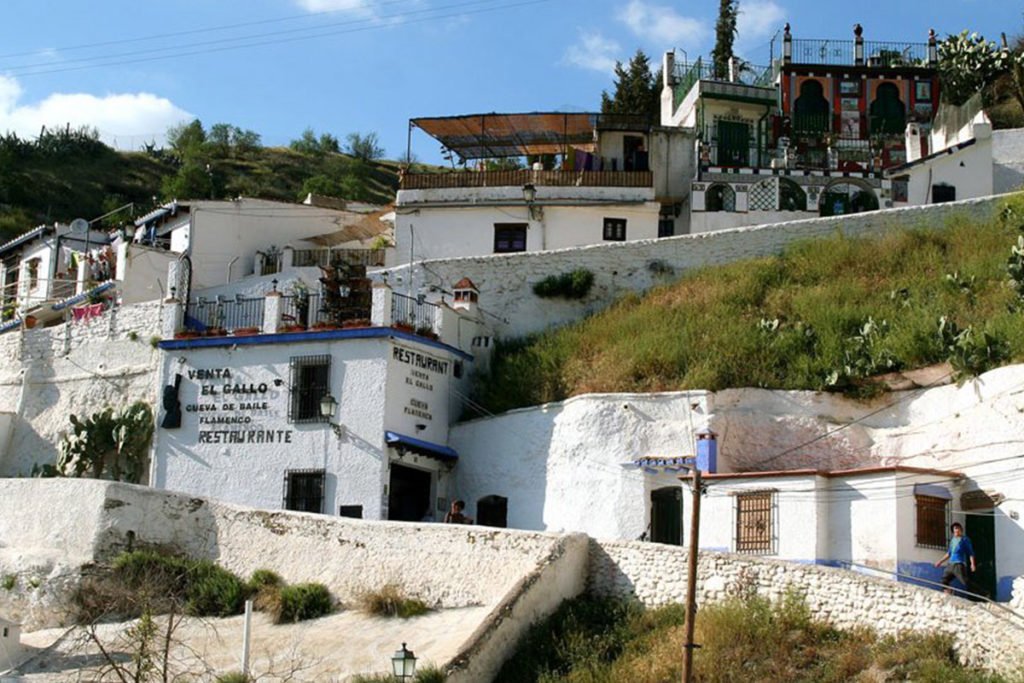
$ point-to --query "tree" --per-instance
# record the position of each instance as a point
(187, 139)
(364, 147)
(725, 34)
(193, 180)
(637, 90)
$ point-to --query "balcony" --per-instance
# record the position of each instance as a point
(747, 76)
(520, 177)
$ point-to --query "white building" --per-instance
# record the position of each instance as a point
(10, 644)
(350, 421)
(618, 178)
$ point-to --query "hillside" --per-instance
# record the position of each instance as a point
(84, 178)
(826, 315)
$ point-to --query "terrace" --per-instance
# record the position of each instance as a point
(856, 52)
(572, 137)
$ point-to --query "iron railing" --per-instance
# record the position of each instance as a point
(521, 177)
(338, 257)
(409, 311)
(844, 52)
(686, 74)
(317, 310)
(224, 314)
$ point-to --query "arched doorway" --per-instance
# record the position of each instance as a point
(845, 197)
(888, 113)
(811, 110)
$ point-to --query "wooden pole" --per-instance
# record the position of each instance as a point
(691, 579)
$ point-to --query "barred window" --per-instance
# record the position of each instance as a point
(310, 382)
(755, 518)
(615, 229)
(304, 490)
(932, 518)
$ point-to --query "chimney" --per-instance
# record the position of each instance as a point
(465, 296)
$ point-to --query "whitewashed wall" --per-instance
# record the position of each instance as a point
(1008, 159)
(506, 280)
(969, 170)
(380, 384)
(560, 465)
(77, 367)
(143, 273)
(445, 232)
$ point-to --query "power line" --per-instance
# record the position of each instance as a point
(176, 34)
(226, 48)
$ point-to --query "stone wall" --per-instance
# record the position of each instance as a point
(80, 367)
(985, 636)
(506, 280)
(50, 528)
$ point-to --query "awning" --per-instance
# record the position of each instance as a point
(79, 298)
(485, 136)
(932, 491)
(419, 446)
(157, 213)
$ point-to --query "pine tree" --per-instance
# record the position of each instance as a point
(725, 34)
(637, 90)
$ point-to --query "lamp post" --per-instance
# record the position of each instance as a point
(530, 196)
(403, 664)
(328, 404)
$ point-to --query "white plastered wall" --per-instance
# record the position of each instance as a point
(969, 170)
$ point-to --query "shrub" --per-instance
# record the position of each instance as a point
(575, 284)
(233, 677)
(214, 591)
(265, 586)
(304, 601)
(9, 582)
(390, 601)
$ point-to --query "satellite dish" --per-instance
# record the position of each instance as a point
(79, 226)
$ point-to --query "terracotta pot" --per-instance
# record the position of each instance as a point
(30, 321)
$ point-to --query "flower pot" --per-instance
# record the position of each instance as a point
(30, 321)
(245, 331)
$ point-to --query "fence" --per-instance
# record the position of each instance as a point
(521, 177)
(320, 310)
(686, 74)
(414, 313)
(338, 257)
(843, 52)
(221, 314)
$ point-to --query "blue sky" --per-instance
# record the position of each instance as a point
(131, 69)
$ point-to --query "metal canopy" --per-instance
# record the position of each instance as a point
(482, 136)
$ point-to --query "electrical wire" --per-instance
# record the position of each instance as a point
(376, 25)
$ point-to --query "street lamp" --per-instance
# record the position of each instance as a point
(530, 196)
(403, 664)
(328, 404)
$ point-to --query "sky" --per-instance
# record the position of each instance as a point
(131, 69)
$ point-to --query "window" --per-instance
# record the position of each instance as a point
(755, 522)
(615, 229)
(310, 381)
(720, 198)
(943, 193)
(492, 511)
(509, 237)
(932, 517)
(304, 490)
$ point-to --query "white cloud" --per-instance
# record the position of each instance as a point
(663, 24)
(759, 19)
(593, 51)
(129, 119)
(360, 7)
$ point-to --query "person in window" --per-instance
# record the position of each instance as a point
(455, 515)
(960, 552)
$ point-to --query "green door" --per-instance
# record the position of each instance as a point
(981, 529)
(667, 515)
(733, 143)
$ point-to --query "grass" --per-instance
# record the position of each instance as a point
(391, 601)
(828, 314)
(592, 640)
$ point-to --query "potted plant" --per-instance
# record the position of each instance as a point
(245, 331)
(30, 321)
(186, 334)
(403, 326)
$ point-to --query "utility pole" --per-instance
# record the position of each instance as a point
(691, 579)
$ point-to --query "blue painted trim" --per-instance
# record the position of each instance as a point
(10, 324)
(306, 336)
(442, 452)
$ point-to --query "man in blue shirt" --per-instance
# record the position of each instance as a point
(960, 552)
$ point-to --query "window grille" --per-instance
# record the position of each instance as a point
(932, 518)
(309, 382)
(615, 229)
(755, 522)
(509, 237)
(304, 490)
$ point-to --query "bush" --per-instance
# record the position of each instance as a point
(265, 586)
(304, 601)
(575, 284)
(214, 591)
(390, 601)
(233, 677)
